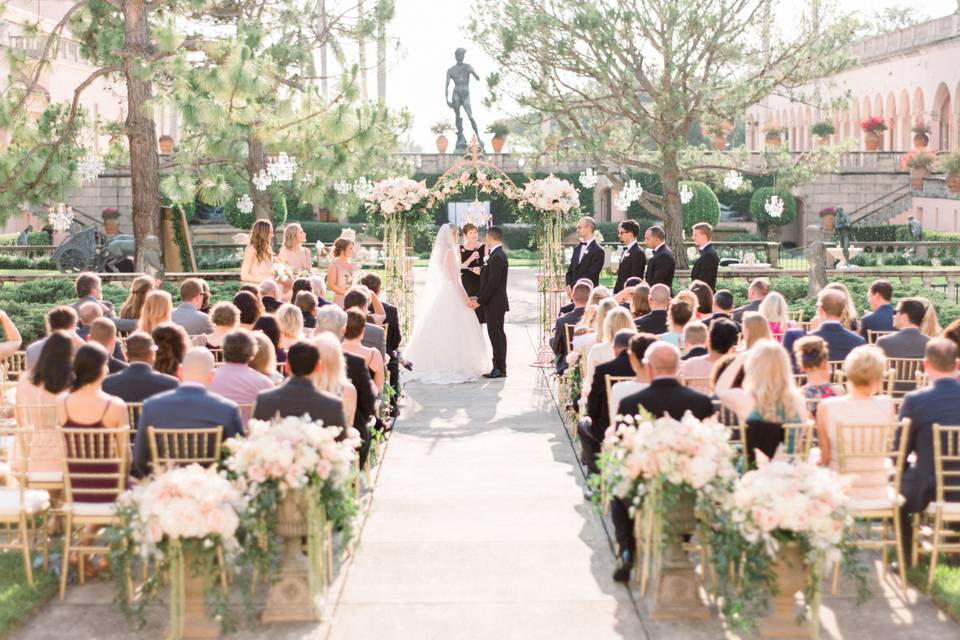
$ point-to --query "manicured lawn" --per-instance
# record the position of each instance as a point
(17, 600)
(946, 585)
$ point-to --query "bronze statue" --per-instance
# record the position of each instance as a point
(460, 74)
(916, 233)
(843, 227)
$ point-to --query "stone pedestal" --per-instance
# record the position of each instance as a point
(791, 573)
(289, 598)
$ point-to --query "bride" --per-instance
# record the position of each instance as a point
(447, 344)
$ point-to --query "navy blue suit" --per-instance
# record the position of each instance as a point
(879, 320)
(939, 403)
(840, 341)
(189, 406)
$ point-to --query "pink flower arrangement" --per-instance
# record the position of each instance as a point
(396, 195)
(873, 124)
(551, 195)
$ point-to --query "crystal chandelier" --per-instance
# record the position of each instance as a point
(262, 180)
(60, 217)
(686, 193)
(245, 204)
(281, 168)
(774, 206)
(630, 193)
(342, 187)
(588, 178)
(363, 187)
(732, 180)
(476, 215)
(90, 167)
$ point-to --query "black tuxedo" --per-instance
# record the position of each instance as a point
(598, 408)
(633, 264)
(567, 308)
(558, 342)
(493, 299)
(654, 322)
(661, 267)
(705, 268)
(591, 265)
(359, 376)
(696, 352)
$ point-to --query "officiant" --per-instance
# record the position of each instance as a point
(472, 253)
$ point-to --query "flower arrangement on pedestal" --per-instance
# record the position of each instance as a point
(399, 196)
(873, 128)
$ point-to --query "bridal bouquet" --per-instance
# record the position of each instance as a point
(396, 196)
(282, 272)
(551, 195)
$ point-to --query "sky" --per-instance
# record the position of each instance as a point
(428, 31)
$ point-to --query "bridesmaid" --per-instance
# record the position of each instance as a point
(294, 255)
(257, 264)
(341, 271)
(472, 253)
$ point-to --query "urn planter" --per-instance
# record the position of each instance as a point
(772, 139)
(188, 617)
(719, 142)
(676, 587)
(290, 599)
(498, 143)
(791, 573)
(921, 140)
(916, 177)
(953, 181)
(871, 140)
(442, 144)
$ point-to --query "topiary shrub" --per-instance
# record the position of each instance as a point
(759, 213)
(38, 238)
(703, 207)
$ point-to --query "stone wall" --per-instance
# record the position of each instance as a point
(851, 191)
(109, 190)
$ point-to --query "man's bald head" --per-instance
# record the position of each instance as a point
(659, 297)
(663, 359)
(89, 311)
(198, 365)
(269, 289)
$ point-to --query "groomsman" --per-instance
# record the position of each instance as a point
(705, 268)
(633, 260)
(587, 260)
(662, 265)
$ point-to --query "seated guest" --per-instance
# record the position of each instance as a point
(307, 303)
(880, 318)
(679, 313)
(36, 400)
(131, 307)
(664, 396)
(319, 288)
(755, 328)
(139, 380)
(831, 305)
(558, 342)
(61, 318)
(930, 326)
(812, 358)
(290, 321)
(157, 309)
(391, 314)
(205, 298)
(190, 406)
(864, 369)
(640, 302)
(300, 284)
(617, 320)
(352, 343)
(724, 363)
(908, 341)
(374, 336)
(13, 339)
(722, 340)
(597, 406)
(656, 320)
(769, 397)
(332, 375)
(234, 379)
(636, 350)
(567, 308)
(250, 308)
(774, 309)
(188, 314)
(952, 333)
(592, 322)
(172, 344)
(250, 288)
(722, 308)
(757, 291)
(89, 289)
(298, 395)
(704, 295)
(938, 403)
(225, 318)
(694, 340)
(104, 332)
(849, 318)
(87, 313)
(268, 325)
(86, 406)
(265, 358)
(625, 296)
(270, 296)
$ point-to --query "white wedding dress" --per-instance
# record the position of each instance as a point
(447, 344)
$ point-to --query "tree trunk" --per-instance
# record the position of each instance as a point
(673, 208)
(257, 162)
(323, 49)
(362, 59)
(382, 61)
(140, 130)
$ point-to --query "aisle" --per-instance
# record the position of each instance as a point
(478, 527)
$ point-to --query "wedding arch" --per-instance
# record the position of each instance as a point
(548, 204)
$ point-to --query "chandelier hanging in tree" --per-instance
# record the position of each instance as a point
(245, 204)
(686, 193)
(774, 206)
(281, 168)
(90, 167)
(732, 180)
(60, 217)
(630, 193)
(588, 178)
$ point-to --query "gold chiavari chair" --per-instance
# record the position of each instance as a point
(246, 411)
(729, 418)
(873, 336)
(217, 354)
(945, 509)
(702, 384)
(836, 370)
(799, 379)
(805, 326)
(14, 366)
(40, 421)
(134, 409)
(95, 467)
(179, 447)
(610, 382)
(23, 510)
(864, 452)
(905, 374)
(798, 439)
(923, 380)
(795, 315)
(568, 333)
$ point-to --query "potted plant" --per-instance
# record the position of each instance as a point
(823, 130)
(499, 129)
(718, 130)
(166, 145)
(827, 217)
(772, 134)
(111, 221)
(950, 164)
(873, 128)
(919, 162)
(921, 135)
(440, 130)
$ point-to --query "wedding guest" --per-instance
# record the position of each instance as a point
(290, 321)
(307, 303)
(662, 264)
(257, 264)
(104, 333)
(265, 358)
(588, 257)
(190, 406)
(952, 333)
(332, 375)
(755, 328)
(636, 350)
(37, 400)
(298, 395)
(270, 296)
(225, 318)
(879, 297)
(87, 313)
(598, 409)
(131, 307)
(253, 289)
(930, 326)
(722, 340)
(831, 306)
(723, 302)
(62, 318)
(393, 338)
(294, 254)
(269, 326)
(774, 308)
(352, 343)
(694, 340)
(656, 320)
(139, 380)
(157, 309)
(812, 357)
(704, 294)
(472, 254)
(863, 404)
(908, 341)
(633, 259)
(319, 288)
(249, 307)
(205, 298)
(690, 298)
(756, 292)
(706, 266)
(361, 298)
(234, 379)
(850, 318)
(625, 297)
(640, 303)
(341, 271)
(172, 343)
(593, 319)
(938, 403)
(769, 397)
(188, 314)
(720, 367)
(616, 320)
(89, 289)
(558, 342)
(12, 338)
(595, 296)
(679, 313)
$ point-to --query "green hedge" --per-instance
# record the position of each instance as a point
(703, 207)
(879, 233)
(38, 238)
(759, 214)
(327, 232)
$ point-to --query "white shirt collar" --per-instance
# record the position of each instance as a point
(495, 247)
(630, 246)
(657, 248)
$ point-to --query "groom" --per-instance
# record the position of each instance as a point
(493, 299)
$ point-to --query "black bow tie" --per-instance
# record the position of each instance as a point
(583, 243)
